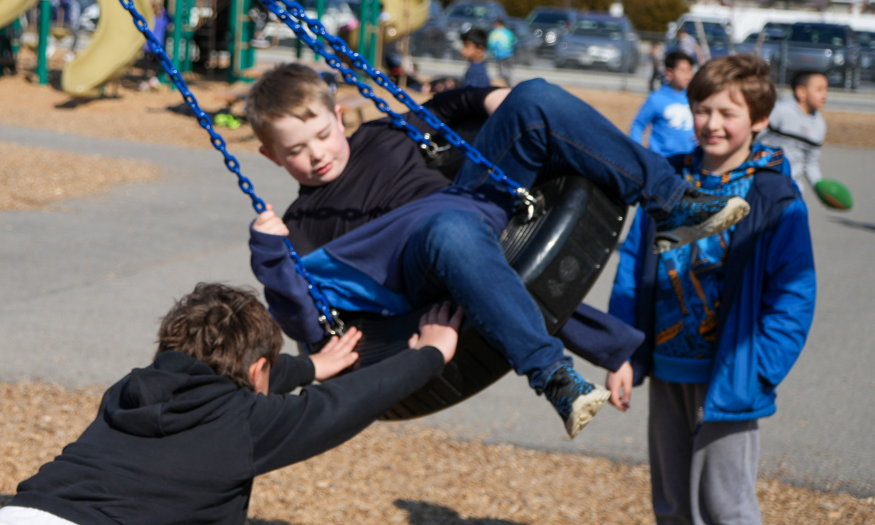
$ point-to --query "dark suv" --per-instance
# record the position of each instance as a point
(465, 14)
(830, 49)
(548, 23)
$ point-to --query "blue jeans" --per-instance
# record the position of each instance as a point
(539, 127)
(456, 253)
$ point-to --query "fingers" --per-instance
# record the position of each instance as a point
(616, 401)
(456, 320)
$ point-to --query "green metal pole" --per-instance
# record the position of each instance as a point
(363, 25)
(16, 39)
(320, 12)
(375, 24)
(299, 48)
(178, 20)
(45, 19)
(186, 35)
(247, 28)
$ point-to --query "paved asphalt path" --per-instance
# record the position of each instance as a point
(85, 282)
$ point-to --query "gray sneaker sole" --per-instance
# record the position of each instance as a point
(584, 409)
(731, 214)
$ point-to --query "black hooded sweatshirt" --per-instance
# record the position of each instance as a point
(177, 443)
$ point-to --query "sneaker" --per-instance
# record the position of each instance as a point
(697, 216)
(575, 399)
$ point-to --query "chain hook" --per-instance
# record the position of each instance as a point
(333, 326)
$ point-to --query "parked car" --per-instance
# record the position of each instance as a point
(465, 14)
(769, 44)
(716, 34)
(867, 53)
(548, 23)
(431, 39)
(830, 49)
(527, 45)
(599, 39)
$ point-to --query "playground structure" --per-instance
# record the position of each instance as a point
(116, 44)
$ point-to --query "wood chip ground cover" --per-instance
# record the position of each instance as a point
(34, 177)
(408, 473)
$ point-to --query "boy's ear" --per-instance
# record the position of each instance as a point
(338, 111)
(259, 374)
(760, 125)
(264, 150)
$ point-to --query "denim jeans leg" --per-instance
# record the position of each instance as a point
(455, 253)
(539, 125)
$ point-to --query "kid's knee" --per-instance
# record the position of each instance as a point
(455, 232)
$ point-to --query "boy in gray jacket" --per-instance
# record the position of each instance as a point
(797, 126)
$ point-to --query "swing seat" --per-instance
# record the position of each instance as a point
(558, 255)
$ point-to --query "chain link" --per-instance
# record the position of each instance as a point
(328, 318)
(294, 11)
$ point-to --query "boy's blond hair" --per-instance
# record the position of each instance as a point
(748, 75)
(287, 90)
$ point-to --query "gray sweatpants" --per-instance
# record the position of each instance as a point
(700, 477)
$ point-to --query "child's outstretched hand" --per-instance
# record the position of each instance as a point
(438, 329)
(336, 355)
(620, 385)
(269, 222)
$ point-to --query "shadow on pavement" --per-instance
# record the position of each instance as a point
(853, 224)
(421, 513)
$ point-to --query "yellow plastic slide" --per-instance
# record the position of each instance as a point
(12, 9)
(404, 16)
(114, 46)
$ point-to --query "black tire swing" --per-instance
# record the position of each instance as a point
(558, 255)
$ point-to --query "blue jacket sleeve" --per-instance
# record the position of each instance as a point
(645, 116)
(286, 291)
(623, 302)
(790, 287)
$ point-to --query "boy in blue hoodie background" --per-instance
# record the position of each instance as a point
(725, 317)
(667, 110)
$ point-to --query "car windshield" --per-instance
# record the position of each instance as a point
(604, 28)
(329, 4)
(866, 39)
(714, 32)
(769, 35)
(548, 18)
(818, 34)
(468, 11)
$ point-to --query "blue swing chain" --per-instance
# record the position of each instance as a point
(328, 317)
(294, 12)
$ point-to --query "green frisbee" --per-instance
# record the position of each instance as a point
(834, 194)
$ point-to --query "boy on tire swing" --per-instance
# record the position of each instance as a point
(725, 317)
(391, 236)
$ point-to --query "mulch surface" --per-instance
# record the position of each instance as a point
(32, 178)
(409, 473)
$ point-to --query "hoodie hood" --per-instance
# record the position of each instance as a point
(176, 393)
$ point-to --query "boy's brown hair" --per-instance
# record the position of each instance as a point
(748, 75)
(287, 90)
(225, 327)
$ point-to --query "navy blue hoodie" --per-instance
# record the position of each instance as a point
(175, 443)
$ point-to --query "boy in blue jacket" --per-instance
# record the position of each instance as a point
(667, 110)
(724, 317)
(400, 253)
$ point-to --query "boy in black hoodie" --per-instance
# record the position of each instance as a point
(181, 440)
